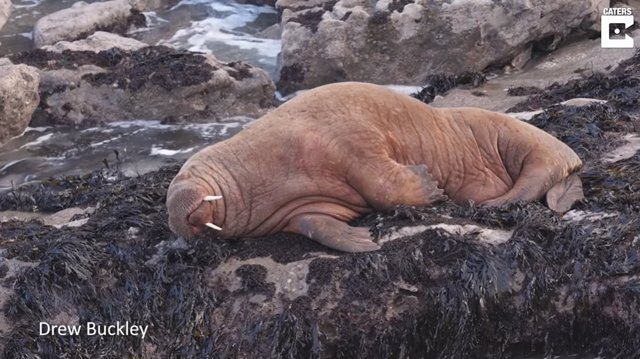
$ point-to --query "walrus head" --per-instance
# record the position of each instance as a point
(191, 207)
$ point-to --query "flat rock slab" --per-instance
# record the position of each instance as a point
(98, 41)
(82, 19)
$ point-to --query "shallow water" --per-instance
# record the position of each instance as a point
(224, 28)
(136, 147)
(230, 31)
(16, 35)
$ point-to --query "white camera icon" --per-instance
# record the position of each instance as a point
(607, 41)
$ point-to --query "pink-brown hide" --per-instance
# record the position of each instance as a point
(341, 150)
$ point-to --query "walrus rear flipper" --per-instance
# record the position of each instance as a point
(564, 193)
(332, 233)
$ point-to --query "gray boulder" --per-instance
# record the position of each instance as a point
(401, 41)
(152, 83)
(5, 11)
(18, 98)
(83, 19)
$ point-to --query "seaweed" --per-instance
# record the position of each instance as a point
(560, 284)
(620, 88)
(440, 84)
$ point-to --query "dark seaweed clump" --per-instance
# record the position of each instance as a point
(440, 84)
(158, 65)
(589, 130)
(557, 286)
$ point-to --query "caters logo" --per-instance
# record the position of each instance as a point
(614, 22)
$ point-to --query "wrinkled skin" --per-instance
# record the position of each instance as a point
(341, 150)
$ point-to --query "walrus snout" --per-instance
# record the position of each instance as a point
(190, 209)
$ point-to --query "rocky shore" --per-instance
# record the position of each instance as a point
(449, 281)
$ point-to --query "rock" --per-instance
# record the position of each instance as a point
(152, 83)
(272, 32)
(5, 10)
(83, 19)
(18, 98)
(393, 41)
(99, 41)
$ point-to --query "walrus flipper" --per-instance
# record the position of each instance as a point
(560, 194)
(332, 233)
(387, 184)
(564, 193)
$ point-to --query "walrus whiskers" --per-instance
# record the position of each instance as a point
(212, 198)
(211, 225)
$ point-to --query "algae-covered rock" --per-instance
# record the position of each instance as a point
(150, 83)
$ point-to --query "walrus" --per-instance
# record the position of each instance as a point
(342, 150)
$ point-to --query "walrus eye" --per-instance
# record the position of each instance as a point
(212, 198)
(211, 225)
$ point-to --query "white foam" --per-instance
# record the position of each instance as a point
(98, 144)
(158, 151)
(404, 89)
(9, 164)
(28, 35)
(38, 141)
(153, 19)
(36, 129)
(24, 4)
(202, 35)
(139, 123)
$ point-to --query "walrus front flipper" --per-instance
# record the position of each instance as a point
(564, 193)
(385, 184)
(332, 233)
(560, 195)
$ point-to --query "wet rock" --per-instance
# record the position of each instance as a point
(99, 41)
(83, 19)
(152, 83)
(5, 11)
(18, 98)
(386, 41)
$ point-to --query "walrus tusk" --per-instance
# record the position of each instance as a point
(211, 225)
(212, 198)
